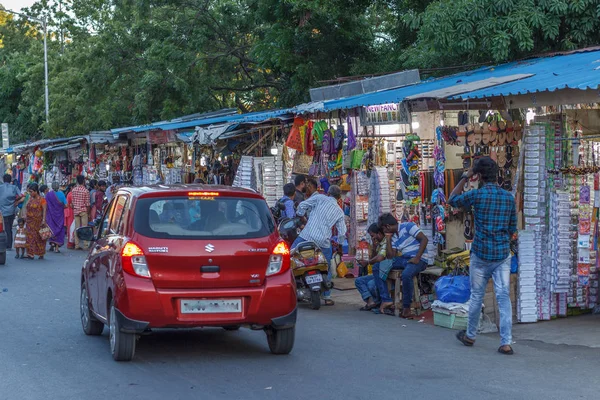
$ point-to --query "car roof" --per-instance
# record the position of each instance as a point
(184, 189)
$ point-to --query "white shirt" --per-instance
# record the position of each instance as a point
(325, 213)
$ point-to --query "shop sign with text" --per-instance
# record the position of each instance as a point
(384, 114)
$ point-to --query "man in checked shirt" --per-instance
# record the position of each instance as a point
(81, 208)
(495, 224)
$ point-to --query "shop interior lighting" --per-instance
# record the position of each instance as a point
(415, 124)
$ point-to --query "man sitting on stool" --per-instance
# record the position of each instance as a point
(366, 284)
(406, 244)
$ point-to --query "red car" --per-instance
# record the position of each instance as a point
(186, 256)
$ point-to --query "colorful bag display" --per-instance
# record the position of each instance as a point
(357, 157)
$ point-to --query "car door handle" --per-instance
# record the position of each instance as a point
(210, 268)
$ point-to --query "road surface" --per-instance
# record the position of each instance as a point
(340, 353)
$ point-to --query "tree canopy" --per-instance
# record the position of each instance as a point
(126, 62)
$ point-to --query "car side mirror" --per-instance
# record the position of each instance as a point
(85, 233)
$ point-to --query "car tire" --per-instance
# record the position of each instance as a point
(91, 326)
(315, 300)
(281, 341)
(122, 345)
(2, 258)
(232, 327)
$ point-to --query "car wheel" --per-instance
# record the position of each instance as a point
(315, 300)
(232, 327)
(2, 258)
(91, 326)
(281, 341)
(122, 345)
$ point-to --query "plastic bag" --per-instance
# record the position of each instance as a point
(453, 289)
(342, 270)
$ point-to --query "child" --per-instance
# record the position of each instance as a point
(20, 239)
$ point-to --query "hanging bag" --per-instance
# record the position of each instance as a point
(327, 144)
(294, 140)
(338, 140)
(351, 137)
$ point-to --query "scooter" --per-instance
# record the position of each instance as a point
(308, 263)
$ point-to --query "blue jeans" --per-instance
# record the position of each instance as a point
(408, 273)
(328, 253)
(481, 271)
(367, 288)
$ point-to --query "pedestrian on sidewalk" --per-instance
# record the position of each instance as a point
(9, 198)
(81, 209)
(495, 224)
(300, 183)
(324, 214)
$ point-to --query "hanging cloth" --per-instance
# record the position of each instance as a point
(351, 137)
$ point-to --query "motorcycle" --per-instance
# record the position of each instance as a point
(308, 263)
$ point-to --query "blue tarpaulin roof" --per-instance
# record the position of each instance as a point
(236, 118)
(576, 70)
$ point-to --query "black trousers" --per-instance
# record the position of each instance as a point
(8, 225)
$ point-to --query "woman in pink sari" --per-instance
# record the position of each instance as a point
(69, 218)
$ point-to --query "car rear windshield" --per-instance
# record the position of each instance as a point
(213, 218)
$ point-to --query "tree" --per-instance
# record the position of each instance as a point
(454, 32)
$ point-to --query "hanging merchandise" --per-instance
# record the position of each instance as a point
(294, 140)
(411, 168)
(351, 137)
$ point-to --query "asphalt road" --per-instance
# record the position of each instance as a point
(340, 353)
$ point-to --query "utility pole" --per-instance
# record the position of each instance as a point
(45, 27)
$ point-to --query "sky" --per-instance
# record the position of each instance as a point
(16, 5)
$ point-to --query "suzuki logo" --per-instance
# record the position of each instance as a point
(209, 247)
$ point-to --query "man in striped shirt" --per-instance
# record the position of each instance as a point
(406, 245)
(325, 213)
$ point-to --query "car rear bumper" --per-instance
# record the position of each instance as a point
(143, 306)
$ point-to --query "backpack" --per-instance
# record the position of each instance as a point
(277, 210)
(328, 146)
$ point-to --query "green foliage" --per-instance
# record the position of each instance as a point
(127, 62)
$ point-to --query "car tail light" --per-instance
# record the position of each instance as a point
(280, 259)
(134, 261)
(1, 224)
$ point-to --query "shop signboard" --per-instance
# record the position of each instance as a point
(385, 114)
(5, 144)
(162, 137)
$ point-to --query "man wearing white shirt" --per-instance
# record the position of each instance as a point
(325, 213)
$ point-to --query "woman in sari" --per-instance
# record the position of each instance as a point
(70, 219)
(35, 219)
(55, 216)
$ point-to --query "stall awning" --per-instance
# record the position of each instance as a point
(574, 70)
(62, 147)
(259, 116)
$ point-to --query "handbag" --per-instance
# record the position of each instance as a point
(45, 233)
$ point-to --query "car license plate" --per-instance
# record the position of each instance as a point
(212, 306)
(310, 279)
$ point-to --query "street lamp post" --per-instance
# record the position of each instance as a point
(45, 27)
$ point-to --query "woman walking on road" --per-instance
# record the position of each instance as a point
(55, 216)
(35, 219)
(70, 218)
